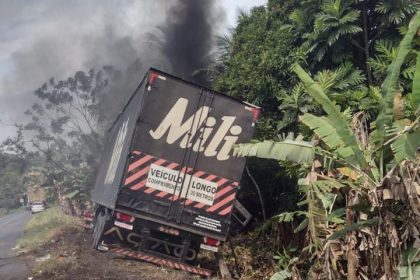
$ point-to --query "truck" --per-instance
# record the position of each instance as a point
(36, 199)
(168, 182)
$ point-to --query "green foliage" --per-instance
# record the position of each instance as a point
(344, 78)
(284, 260)
(287, 217)
(258, 56)
(409, 269)
(349, 48)
(336, 21)
(347, 147)
(385, 52)
(339, 233)
(406, 145)
(396, 11)
(319, 200)
(336, 216)
(334, 39)
(12, 168)
(326, 131)
(391, 84)
(292, 105)
(281, 275)
(415, 95)
(362, 166)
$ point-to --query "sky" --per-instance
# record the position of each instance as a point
(54, 38)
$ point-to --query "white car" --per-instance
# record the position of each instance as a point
(37, 207)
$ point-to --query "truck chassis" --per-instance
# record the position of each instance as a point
(147, 241)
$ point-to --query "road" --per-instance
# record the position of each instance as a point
(11, 228)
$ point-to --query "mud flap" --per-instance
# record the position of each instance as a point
(98, 228)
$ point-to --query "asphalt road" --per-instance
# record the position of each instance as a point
(11, 228)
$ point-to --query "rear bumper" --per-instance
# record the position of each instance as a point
(161, 261)
(182, 227)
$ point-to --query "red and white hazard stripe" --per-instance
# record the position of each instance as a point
(136, 180)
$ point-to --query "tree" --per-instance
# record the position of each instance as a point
(334, 26)
(15, 160)
(254, 64)
(67, 127)
(69, 110)
(12, 168)
(345, 30)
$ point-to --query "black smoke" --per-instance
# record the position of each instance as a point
(184, 42)
(188, 35)
(182, 46)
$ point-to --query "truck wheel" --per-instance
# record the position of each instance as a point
(98, 229)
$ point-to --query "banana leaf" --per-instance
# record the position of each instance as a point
(405, 147)
(415, 95)
(391, 84)
(355, 226)
(288, 150)
(409, 269)
(325, 130)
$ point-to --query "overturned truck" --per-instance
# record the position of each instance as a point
(168, 182)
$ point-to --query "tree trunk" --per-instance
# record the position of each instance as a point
(352, 264)
(351, 239)
(366, 43)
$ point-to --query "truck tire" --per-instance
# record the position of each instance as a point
(98, 229)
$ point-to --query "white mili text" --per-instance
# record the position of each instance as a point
(165, 179)
(177, 128)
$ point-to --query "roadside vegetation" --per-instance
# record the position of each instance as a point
(338, 86)
(12, 169)
(43, 228)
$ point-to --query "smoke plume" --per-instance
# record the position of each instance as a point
(58, 38)
(188, 36)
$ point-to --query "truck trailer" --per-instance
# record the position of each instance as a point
(36, 199)
(167, 184)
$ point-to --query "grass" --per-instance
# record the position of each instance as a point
(44, 226)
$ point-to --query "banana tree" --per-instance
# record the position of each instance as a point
(374, 169)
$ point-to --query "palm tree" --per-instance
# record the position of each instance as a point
(336, 20)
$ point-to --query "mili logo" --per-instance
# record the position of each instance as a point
(225, 135)
(116, 153)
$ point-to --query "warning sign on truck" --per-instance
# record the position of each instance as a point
(167, 180)
(208, 223)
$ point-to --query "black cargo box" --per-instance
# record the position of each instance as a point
(168, 156)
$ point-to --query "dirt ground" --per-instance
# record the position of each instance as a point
(68, 256)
